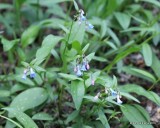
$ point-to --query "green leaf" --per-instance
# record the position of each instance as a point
(155, 2)
(46, 2)
(129, 97)
(77, 32)
(8, 45)
(11, 121)
(103, 28)
(24, 119)
(143, 112)
(137, 29)
(27, 81)
(103, 119)
(42, 116)
(139, 73)
(5, 6)
(147, 54)
(70, 77)
(141, 91)
(156, 39)
(30, 35)
(121, 55)
(47, 45)
(123, 19)
(29, 99)
(75, 5)
(90, 56)
(77, 91)
(114, 36)
(77, 46)
(135, 116)
(72, 116)
(155, 65)
(85, 48)
(4, 93)
(17, 88)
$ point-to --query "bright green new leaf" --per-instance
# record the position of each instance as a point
(77, 46)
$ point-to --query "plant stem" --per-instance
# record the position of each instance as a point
(154, 84)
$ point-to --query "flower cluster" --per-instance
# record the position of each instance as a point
(81, 18)
(31, 73)
(81, 67)
(110, 92)
(116, 94)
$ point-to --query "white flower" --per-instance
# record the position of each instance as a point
(32, 73)
(118, 100)
(96, 97)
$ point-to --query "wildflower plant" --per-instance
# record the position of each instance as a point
(69, 62)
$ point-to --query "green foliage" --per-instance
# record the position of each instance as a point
(58, 70)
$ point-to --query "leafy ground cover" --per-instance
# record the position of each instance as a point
(79, 64)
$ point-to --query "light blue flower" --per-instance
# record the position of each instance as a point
(32, 73)
(90, 26)
(113, 93)
(83, 18)
(83, 68)
(87, 66)
(78, 73)
(24, 76)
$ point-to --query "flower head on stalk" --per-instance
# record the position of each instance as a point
(118, 99)
(85, 65)
(78, 71)
(81, 16)
(97, 96)
(89, 26)
(24, 74)
(113, 93)
(32, 73)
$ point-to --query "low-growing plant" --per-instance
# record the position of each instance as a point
(80, 64)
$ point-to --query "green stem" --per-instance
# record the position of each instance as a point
(63, 55)
(154, 84)
(37, 9)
